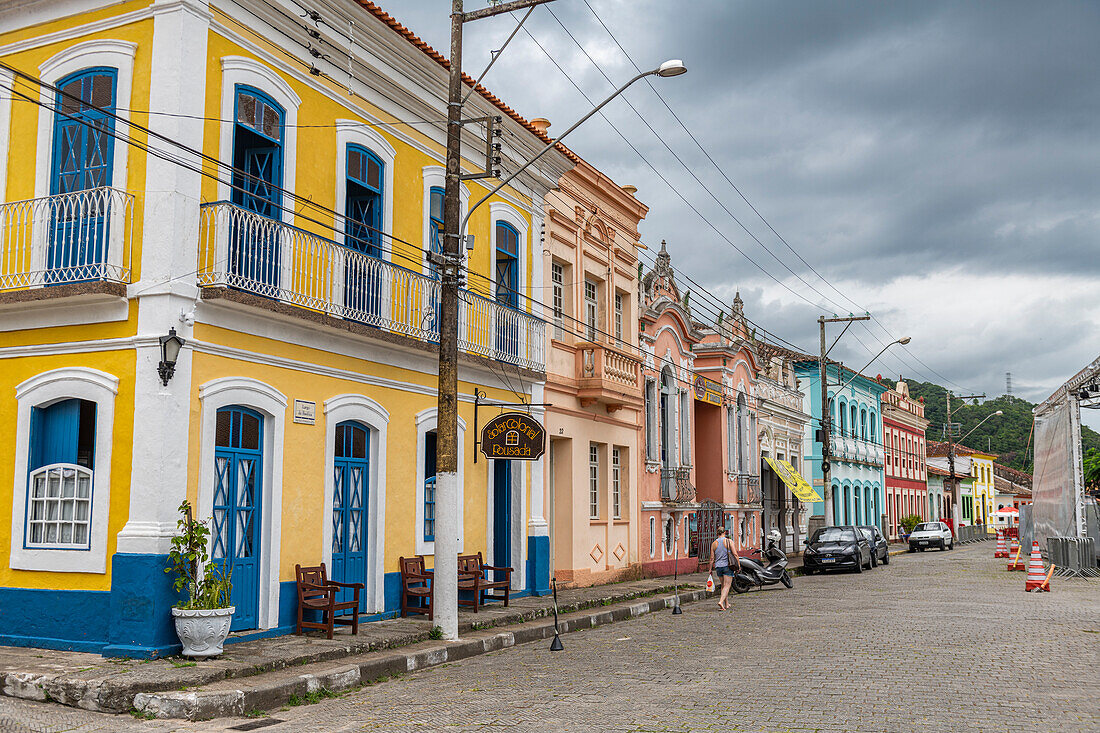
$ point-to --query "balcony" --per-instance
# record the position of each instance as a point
(748, 488)
(78, 237)
(676, 485)
(606, 376)
(245, 251)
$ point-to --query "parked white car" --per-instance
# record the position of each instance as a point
(931, 534)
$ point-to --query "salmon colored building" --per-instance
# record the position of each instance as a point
(698, 469)
(903, 426)
(592, 375)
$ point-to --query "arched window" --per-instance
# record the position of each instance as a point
(363, 204)
(257, 153)
(843, 419)
(855, 419)
(83, 145)
(863, 424)
(435, 225)
(507, 275)
(254, 246)
(873, 426)
(832, 416)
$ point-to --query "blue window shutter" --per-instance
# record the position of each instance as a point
(54, 434)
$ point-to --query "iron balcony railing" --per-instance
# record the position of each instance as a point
(748, 488)
(676, 485)
(82, 236)
(247, 251)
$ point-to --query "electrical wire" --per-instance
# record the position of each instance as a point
(768, 224)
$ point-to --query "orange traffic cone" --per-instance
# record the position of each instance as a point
(1036, 575)
(1002, 550)
(1015, 563)
(1013, 545)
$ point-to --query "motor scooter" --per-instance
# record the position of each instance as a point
(771, 569)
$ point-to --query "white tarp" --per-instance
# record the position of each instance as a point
(1053, 492)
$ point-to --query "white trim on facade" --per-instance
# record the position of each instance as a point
(376, 418)
(40, 391)
(271, 403)
(435, 176)
(353, 132)
(115, 54)
(238, 70)
(425, 422)
(500, 211)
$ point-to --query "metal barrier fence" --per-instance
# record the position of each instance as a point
(1073, 557)
(966, 535)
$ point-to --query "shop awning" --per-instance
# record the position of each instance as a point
(799, 486)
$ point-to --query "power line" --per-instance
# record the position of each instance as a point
(741, 194)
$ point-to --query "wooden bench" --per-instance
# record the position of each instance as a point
(417, 586)
(317, 593)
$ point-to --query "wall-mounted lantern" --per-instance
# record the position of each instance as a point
(170, 346)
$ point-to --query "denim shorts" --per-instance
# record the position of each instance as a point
(724, 570)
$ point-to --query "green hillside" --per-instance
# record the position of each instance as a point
(1006, 435)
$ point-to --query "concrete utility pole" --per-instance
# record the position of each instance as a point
(826, 426)
(445, 583)
(951, 454)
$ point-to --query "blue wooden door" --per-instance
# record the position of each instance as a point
(238, 481)
(254, 244)
(362, 275)
(502, 514)
(350, 499)
(507, 288)
(82, 160)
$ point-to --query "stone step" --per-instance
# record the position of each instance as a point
(242, 695)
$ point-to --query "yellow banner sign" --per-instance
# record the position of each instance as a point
(799, 486)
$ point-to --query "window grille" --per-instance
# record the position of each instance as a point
(60, 507)
(619, 316)
(557, 277)
(590, 310)
(593, 481)
(616, 485)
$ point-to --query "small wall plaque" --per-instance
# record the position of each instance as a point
(305, 412)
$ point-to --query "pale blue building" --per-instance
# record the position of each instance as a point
(857, 460)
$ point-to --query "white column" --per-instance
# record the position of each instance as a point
(167, 287)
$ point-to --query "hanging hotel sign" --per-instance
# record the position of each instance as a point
(707, 390)
(513, 435)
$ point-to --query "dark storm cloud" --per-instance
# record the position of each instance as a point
(884, 141)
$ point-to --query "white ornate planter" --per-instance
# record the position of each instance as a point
(202, 631)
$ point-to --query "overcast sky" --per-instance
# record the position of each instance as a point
(936, 163)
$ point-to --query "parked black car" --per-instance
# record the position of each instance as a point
(880, 548)
(836, 547)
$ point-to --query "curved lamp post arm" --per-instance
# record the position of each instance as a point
(555, 141)
(992, 414)
(902, 341)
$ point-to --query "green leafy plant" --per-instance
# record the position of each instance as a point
(909, 521)
(206, 589)
(436, 633)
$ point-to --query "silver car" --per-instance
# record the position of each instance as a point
(927, 535)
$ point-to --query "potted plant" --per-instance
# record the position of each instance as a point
(907, 523)
(202, 620)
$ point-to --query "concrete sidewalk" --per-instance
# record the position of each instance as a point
(272, 669)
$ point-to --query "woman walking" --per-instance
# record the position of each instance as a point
(725, 564)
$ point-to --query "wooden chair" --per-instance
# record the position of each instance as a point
(417, 585)
(488, 589)
(317, 593)
(469, 580)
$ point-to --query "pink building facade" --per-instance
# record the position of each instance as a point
(699, 464)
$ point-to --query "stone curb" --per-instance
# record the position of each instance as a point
(352, 674)
(114, 695)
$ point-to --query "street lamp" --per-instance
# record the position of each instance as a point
(672, 67)
(826, 428)
(904, 340)
(445, 583)
(998, 412)
(952, 457)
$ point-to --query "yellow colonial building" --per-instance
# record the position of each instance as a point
(266, 187)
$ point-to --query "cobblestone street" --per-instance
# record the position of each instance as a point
(937, 641)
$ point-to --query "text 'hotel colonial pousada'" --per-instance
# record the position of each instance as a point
(277, 220)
